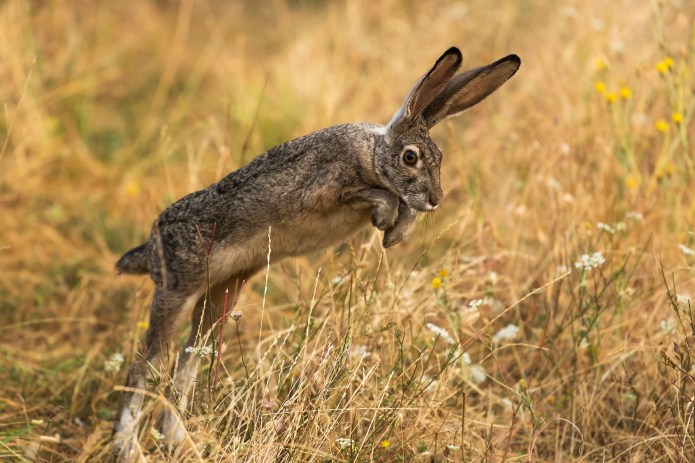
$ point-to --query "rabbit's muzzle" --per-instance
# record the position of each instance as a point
(435, 198)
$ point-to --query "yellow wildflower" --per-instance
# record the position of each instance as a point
(611, 97)
(443, 273)
(385, 444)
(669, 168)
(143, 324)
(661, 126)
(668, 61)
(631, 182)
(677, 117)
(132, 189)
(626, 93)
(600, 87)
(662, 67)
(436, 282)
(601, 64)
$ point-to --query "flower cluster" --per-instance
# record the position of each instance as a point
(438, 281)
(605, 227)
(114, 363)
(588, 262)
(611, 96)
(202, 351)
(508, 333)
(345, 443)
(442, 333)
(668, 325)
(684, 299)
(476, 373)
(665, 65)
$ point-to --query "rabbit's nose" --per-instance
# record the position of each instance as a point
(435, 199)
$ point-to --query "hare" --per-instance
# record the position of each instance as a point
(308, 194)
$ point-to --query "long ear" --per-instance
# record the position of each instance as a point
(470, 88)
(426, 89)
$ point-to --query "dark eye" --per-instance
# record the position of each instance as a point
(410, 157)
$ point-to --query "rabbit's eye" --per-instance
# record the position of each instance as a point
(410, 157)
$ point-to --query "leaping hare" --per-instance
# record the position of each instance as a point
(311, 192)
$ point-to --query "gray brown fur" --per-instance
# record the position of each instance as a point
(308, 193)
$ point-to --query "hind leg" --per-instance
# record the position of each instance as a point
(169, 312)
(205, 315)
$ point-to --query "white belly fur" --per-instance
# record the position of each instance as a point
(292, 238)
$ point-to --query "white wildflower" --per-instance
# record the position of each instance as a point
(620, 226)
(432, 384)
(686, 250)
(568, 198)
(605, 227)
(668, 325)
(236, 315)
(202, 351)
(344, 443)
(588, 262)
(684, 299)
(495, 305)
(359, 352)
(636, 216)
(476, 373)
(453, 448)
(627, 292)
(114, 363)
(562, 269)
(442, 333)
(564, 148)
(508, 333)
(616, 46)
(475, 304)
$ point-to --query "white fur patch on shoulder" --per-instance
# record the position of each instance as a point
(380, 130)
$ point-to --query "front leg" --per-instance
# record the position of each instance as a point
(384, 205)
(401, 229)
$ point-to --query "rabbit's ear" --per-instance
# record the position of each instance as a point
(469, 88)
(426, 89)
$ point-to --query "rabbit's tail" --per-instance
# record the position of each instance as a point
(136, 261)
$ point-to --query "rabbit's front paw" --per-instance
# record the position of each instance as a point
(401, 229)
(384, 217)
(393, 236)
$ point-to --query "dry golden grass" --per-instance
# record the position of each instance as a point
(112, 110)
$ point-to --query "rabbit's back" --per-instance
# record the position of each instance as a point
(293, 190)
(303, 176)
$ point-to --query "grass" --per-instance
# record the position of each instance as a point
(112, 111)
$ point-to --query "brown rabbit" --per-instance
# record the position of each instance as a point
(311, 193)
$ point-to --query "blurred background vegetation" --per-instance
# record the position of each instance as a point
(568, 221)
